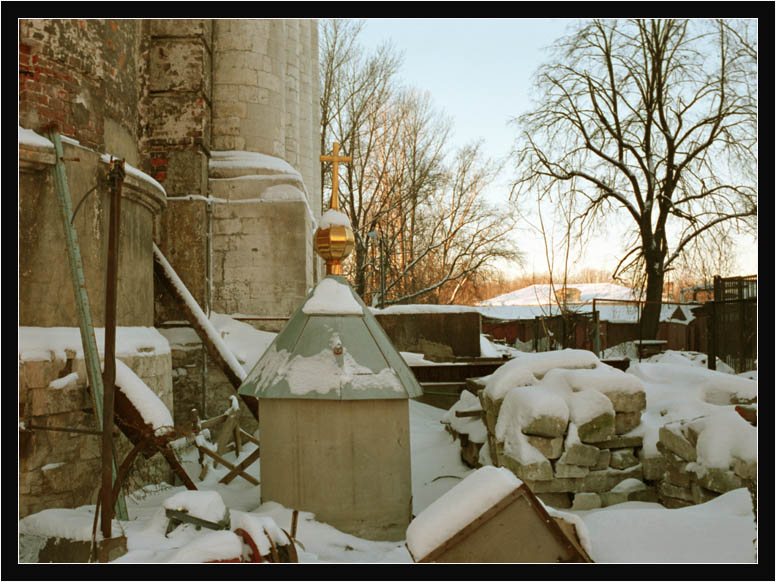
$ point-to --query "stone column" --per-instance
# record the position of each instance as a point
(262, 221)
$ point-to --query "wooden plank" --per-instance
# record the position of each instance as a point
(227, 464)
(250, 401)
(573, 553)
(250, 437)
(472, 526)
(172, 460)
(248, 461)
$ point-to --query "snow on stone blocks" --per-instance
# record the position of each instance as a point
(705, 457)
(563, 430)
(464, 421)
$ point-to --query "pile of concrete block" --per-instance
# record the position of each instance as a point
(464, 421)
(690, 474)
(581, 464)
(566, 433)
(569, 446)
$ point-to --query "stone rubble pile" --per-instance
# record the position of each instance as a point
(562, 431)
(567, 426)
(691, 475)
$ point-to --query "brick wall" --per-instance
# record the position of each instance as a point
(79, 74)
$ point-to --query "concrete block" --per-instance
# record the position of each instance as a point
(623, 459)
(604, 455)
(676, 477)
(582, 454)
(606, 480)
(745, 469)
(701, 494)
(552, 448)
(628, 401)
(673, 502)
(546, 426)
(671, 459)
(648, 494)
(557, 485)
(565, 470)
(541, 471)
(719, 480)
(653, 466)
(626, 421)
(612, 498)
(666, 489)
(557, 500)
(586, 500)
(619, 442)
(601, 428)
(677, 443)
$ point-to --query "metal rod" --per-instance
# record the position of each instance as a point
(63, 429)
(79, 291)
(109, 374)
(382, 273)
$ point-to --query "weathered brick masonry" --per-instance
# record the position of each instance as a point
(165, 95)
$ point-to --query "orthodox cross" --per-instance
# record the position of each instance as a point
(335, 159)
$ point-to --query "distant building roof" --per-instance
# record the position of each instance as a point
(612, 312)
(543, 295)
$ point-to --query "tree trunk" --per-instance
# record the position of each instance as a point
(650, 316)
(360, 274)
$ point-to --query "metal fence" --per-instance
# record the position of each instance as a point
(732, 323)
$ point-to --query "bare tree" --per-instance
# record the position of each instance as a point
(648, 120)
(419, 225)
(357, 111)
(456, 235)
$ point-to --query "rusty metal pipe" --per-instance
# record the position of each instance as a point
(116, 177)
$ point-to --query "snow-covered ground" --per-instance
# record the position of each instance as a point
(721, 530)
(676, 385)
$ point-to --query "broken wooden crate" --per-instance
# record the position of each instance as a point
(491, 516)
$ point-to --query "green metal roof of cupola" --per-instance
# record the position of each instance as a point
(331, 348)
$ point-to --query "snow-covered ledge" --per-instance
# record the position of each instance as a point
(240, 176)
(36, 153)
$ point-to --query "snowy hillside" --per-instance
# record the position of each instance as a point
(543, 295)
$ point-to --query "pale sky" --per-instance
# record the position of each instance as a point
(479, 71)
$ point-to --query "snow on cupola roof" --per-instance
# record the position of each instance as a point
(331, 348)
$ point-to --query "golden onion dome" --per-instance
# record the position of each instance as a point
(334, 240)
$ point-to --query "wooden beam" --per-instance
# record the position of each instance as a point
(253, 457)
(227, 464)
(251, 402)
